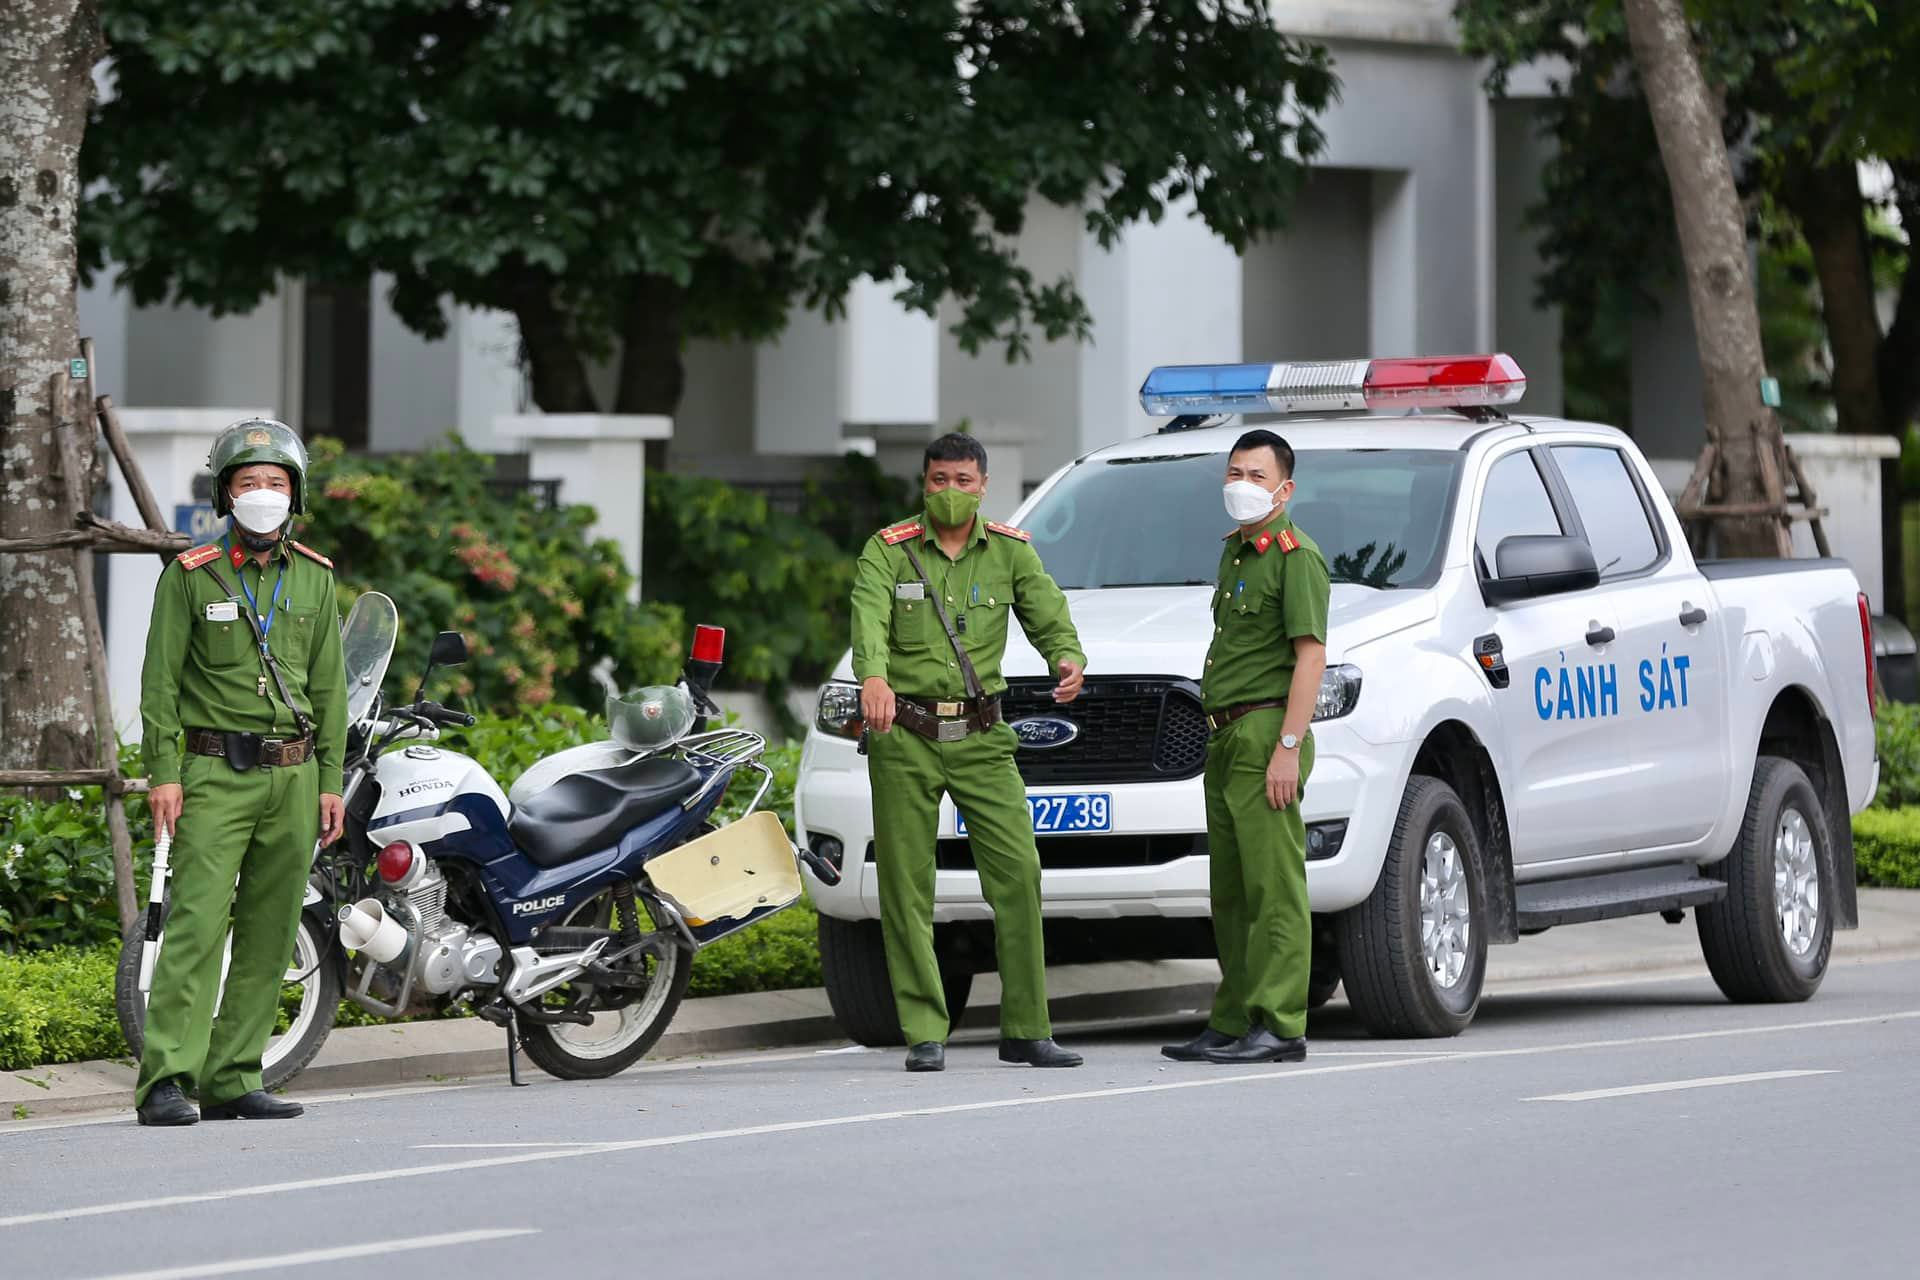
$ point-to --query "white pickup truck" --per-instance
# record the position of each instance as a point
(1539, 708)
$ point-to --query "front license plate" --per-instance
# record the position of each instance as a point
(1072, 813)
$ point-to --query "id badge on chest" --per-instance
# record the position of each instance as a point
(223, 611)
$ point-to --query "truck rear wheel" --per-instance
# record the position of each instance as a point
(853, 965)
(1413, 955)
(1770, 938)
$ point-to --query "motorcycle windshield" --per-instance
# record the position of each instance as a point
(366, 642)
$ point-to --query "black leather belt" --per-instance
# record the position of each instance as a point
(273, 753)
(951, 721)
(1218, 720)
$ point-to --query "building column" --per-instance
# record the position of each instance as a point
(600, 460)
(171, 447)
(1166, 293)
(822, 381)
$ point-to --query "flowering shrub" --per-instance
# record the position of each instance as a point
(540, 604)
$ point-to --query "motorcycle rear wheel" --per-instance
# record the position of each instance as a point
(620, 1036)
(309, 1001)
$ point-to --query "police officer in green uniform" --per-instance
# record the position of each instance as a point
(262, 707)
(1261, 681)
(930, 698)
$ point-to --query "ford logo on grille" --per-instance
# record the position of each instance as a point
(1041, 732)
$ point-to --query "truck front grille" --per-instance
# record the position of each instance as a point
(1131, 730)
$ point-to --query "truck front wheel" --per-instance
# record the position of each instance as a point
(853, 966)
(1770, 938)
(1413, 955)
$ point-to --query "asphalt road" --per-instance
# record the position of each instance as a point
(1635, 1126)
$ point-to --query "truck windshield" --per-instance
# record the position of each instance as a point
(1378, 514)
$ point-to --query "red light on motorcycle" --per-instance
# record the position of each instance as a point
(709, 643)
(395, 861)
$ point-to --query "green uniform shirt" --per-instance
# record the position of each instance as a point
(1272, 589)
(203, 667)
(899, 639)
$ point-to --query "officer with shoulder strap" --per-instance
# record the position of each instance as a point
(930, 605)
(1259, 686)
(243, 657)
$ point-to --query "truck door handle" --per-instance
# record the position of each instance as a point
(1599, 636)
(1692, 616)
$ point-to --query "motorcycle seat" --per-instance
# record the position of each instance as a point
(584, 813)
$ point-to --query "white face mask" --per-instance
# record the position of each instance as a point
(1247, 501)
(262, 510)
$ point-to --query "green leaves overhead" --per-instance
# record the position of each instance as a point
(754, 155)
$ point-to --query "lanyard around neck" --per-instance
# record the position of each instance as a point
(253, 602)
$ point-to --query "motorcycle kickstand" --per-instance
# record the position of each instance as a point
(513, 1049)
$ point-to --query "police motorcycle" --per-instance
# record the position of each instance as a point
(567, 910)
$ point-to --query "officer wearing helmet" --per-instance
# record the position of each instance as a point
(243, 709)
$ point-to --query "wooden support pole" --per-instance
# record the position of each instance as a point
(114, 536)
(1810, 501)
(78, 479)
(56, 778)
(143, 499)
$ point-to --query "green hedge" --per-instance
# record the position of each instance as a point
(1896, 733)
(57, 1006)
(1886, 847)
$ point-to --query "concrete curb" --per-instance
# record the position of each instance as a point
(423, 1052)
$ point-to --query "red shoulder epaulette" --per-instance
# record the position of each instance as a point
(1288, 542)
(901, 532)
(311, 554)
(1009, 531)
(191, 560)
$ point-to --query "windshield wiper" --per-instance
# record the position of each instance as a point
(1116, 586)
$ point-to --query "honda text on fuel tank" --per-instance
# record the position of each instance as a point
(1539, 707)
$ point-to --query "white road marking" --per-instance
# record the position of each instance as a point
(1670, 1086)
(1272, 1075)
(493, 1146)
(126, 1114)
(309, 1257)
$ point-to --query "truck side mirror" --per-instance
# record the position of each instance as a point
(1531, 565)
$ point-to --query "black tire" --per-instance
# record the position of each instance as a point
(559, 1050)
(1324, 978)
(1383, 962)
(1744, 935)
(316, 960)
(853, 964)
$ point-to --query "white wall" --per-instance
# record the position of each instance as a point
(1308, 290)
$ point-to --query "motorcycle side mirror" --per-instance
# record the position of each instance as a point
(449, 650)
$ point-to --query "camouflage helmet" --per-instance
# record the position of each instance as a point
(254, 441)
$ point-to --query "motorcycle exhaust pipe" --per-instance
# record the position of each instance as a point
(366, 927)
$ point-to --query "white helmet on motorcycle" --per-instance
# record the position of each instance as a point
(650, 718)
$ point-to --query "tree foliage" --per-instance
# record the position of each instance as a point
(626, 174)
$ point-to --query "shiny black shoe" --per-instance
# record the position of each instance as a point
(1260, 1045)
(258, 1105)
(1038, 1053)
(167, 1107)
(1195, 1050)
(928, 1055)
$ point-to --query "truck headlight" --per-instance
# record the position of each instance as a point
(1339, 692)
(839, 710)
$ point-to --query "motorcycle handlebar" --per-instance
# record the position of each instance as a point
(438, 714)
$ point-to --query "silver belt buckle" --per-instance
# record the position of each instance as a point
(949, 708)
(951, 731)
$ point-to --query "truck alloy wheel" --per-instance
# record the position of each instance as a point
(1770, 938)
(1412, 956)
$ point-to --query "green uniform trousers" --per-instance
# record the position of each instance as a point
(1258, 882)
(260, 826)
(908, 775)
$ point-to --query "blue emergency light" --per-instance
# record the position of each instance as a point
(1321, 386)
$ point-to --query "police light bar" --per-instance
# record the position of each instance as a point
(1317, 386)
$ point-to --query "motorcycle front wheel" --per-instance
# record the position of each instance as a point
(309, 998)
(627, 1021)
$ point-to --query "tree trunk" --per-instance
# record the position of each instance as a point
(1826, 202)
(558, 373)
(1713, 246)
(652, 375)
(47, 52)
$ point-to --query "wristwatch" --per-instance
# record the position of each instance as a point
(1290, 741)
